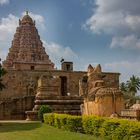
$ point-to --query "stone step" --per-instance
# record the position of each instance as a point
(59, 98)
(65, 102)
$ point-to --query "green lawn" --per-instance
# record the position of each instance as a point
(38, 131)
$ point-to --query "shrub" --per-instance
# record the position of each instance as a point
(57, 121)
(91, 124)
(60, 121)
(114, 129)
(97, 123)
(109, 127)
(74, 123)
(43, 109)
(87, 124)
(121, 131)
(64, 121)
(134, 133)
(127, 130)
(49, 118)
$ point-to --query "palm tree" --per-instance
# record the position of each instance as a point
(133, 85)
(123, 87)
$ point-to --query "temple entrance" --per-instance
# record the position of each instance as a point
(63, 85)
(32, 67)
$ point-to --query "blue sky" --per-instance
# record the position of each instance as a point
(82, 31)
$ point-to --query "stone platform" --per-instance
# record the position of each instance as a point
(59, 104)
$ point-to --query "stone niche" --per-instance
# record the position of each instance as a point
(100, 98)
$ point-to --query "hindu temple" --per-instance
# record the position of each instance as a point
(31, 80)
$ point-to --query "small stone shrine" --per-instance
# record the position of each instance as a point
(101, 93)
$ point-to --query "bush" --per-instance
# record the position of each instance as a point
(97, 123)
(57, 121)
(64, 121)
(115, 129)
(49, 118)
(134, 133)
(91, 124)
(87, 124)
(43, 109)
(121, 131)
(127, 131)
(60, 121)
(74, 123)
(108, 127)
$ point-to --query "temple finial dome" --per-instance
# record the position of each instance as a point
(27, 19)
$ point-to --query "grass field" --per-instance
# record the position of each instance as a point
(38, 131)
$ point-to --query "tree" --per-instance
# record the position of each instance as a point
(123, 87)
(133, 85)
(130, 89)
(2, 72)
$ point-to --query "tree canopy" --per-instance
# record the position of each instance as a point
(130, 90)
(2, 72)
(132, 86)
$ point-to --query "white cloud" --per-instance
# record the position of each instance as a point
(57, 52)
(40, 21)
(129, 42)
(126, 68)
(119, 18)
(4, 2)
(8, 28)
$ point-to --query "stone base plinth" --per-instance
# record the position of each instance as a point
(60, 104)
(32, 115)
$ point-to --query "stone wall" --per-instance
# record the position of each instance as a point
(21, 88)
(14, 108)
(22, 83)
(104, 106)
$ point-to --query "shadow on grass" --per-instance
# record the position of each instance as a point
(11, 127)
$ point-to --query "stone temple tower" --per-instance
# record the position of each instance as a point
(27, 51)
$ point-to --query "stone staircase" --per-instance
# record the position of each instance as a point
(61, 104)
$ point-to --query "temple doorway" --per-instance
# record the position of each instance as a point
(63, 85)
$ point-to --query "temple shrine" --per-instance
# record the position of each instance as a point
(32, 80)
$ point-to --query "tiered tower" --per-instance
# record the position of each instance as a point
(27, 51)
